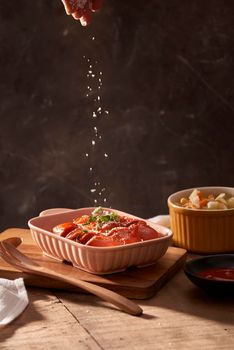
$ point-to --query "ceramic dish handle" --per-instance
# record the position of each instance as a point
(54, 211)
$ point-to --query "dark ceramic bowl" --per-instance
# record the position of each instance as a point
(196, 267)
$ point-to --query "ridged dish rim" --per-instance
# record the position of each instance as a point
(167, 232)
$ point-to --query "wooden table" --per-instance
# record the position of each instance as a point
(179, 316)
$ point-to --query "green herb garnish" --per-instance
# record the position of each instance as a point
(101, 216)
(108, 217)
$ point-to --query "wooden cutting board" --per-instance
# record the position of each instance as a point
(136, 283)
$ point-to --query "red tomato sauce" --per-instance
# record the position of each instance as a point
(104, 228)
(218, 274)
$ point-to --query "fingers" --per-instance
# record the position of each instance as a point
(78, 14)
(74, 8)
(83, 15)
(86, 18)
(69, 6)
(96, 5)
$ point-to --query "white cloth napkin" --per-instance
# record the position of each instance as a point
(13, 299)
(163, 220)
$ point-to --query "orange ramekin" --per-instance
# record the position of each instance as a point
(202, 231)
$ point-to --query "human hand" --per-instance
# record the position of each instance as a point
(82, 9)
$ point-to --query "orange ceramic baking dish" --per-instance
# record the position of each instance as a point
(98, 260)
(202, 230)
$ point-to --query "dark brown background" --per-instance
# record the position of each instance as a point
(167, 84)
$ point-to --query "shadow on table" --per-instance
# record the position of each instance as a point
(181, 295)
(76, 302)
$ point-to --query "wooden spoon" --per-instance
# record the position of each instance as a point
(14, 257)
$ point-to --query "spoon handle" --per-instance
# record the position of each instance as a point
(19, 260)
(116, 299)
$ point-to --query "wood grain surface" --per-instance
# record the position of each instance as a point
(137, 283)
(178, 317)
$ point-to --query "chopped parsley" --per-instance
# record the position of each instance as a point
(101, 216)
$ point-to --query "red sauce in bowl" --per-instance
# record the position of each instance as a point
(218, 274)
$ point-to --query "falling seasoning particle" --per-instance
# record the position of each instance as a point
(65, 32)
(93, 92)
